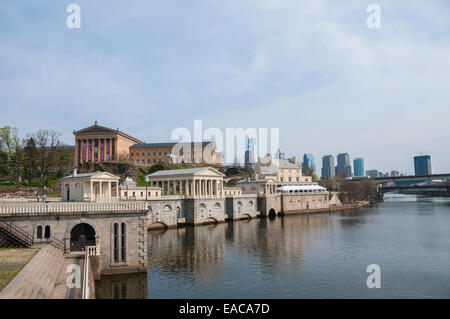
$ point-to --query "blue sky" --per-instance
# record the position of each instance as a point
(311, 68)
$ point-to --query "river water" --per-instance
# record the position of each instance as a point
(298, 256)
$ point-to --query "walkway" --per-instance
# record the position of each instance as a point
(37, 279)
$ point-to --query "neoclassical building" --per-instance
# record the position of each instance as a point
(192, 182)
(90, 187)
(97, 143)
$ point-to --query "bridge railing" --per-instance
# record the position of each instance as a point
(70, 207)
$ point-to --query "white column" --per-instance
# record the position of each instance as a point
(101, 192)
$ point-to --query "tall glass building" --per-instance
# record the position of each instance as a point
(308, 162)
(358, 166)
(422, 165)
(328, 169)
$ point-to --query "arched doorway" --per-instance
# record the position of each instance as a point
(82, 235)
(272, 212)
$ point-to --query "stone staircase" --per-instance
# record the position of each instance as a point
(37, 279)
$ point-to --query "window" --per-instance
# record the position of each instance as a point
(148, 153)
(142, 194)
(39, 232)
(290, 179)
(281, 178)
(47, 231)
(159, 154)
(116, 242)
(143, 154)
(297, 178)
(123, 243)
(134, 194)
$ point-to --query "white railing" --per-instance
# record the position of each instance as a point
(70, 207)
(87, 280)
(93, 250)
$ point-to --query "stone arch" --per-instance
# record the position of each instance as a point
(202, 206)
(272, 212)
(217, 205)
(167, 208)
(250, 203)
(82, 235)
(70, 225)
(212, 220)
(158, 225)
(247, 216)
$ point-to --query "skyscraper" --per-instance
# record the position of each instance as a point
(328, 170)
(358, 166)
(343, 168)
(422, 165)
(250, 152)
(373, 173)
(308, 164)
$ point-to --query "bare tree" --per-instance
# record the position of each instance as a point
(47, 144)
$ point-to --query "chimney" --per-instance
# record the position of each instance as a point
(75, 172)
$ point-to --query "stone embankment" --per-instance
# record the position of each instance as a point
(37, 279)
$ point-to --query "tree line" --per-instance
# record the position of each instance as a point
(41, 156)
(350, 190)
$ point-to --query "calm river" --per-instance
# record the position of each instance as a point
(317, 256)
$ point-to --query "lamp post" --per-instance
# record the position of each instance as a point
(146, 184)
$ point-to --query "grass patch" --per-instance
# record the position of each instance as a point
(12, 261)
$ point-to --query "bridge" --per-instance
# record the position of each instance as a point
(410, 178)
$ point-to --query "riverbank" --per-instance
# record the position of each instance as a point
(331, 209)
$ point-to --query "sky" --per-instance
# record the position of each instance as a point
(313, 69)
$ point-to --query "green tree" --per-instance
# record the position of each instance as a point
(30, 159)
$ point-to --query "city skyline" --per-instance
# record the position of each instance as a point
(248, 64)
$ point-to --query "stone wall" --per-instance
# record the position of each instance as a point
(302, 202)
(244, 206)
(62, 224)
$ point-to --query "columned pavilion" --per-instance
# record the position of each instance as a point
(90, 187)
(201, 182)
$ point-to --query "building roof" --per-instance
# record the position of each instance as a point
(90, 175)
(302, 188)
(185, 172)
(260, 180)
(168, 144)
(97, 129)
(272, 168)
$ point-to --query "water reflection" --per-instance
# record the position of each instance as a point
(129, 286)
(300, 256)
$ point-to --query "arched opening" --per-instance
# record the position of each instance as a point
(247, 216)
(82, 235)
(39, 232)
(272, 212)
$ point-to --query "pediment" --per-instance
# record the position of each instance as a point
(95, 129)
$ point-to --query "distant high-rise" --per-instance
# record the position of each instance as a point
(395, 173)
(308, 164)
(373, 173)
(358, 167)
(328, 170)
(422, 165)
(250, 152)
(343, 168)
